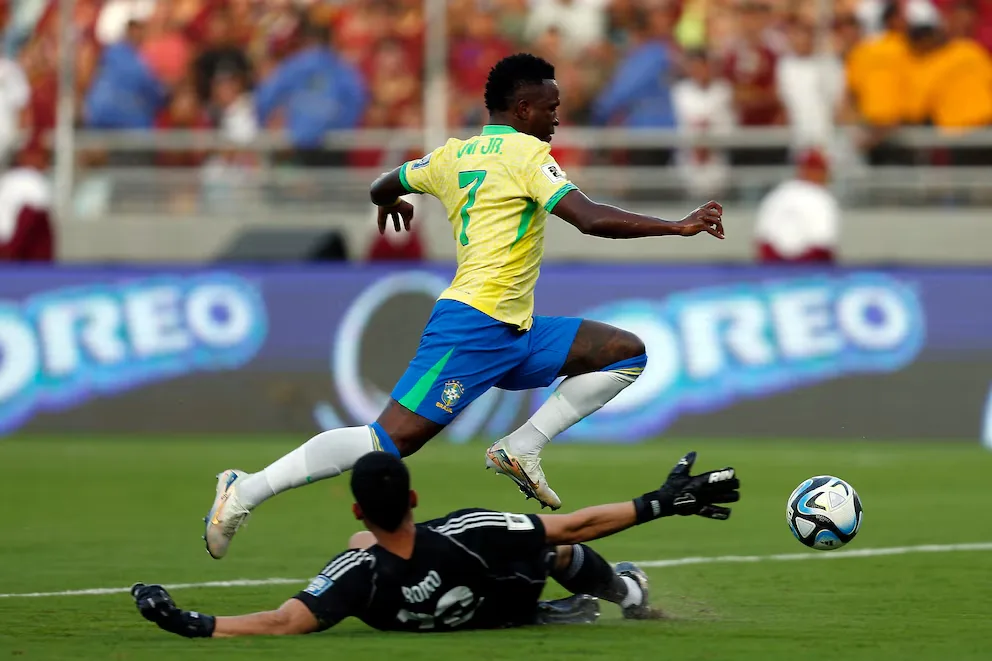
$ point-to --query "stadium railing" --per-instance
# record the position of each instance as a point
(127, 178)
(576, 137)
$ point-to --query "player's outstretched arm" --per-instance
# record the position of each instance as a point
(609, 222)
(156, 605)
(291, 618)
(385, 193)
(682, 494)
(388, 188)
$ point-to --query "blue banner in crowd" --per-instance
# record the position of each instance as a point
(715, 336)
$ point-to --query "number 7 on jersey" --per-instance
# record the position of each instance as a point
(473, 178)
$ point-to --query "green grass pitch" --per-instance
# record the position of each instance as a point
(90, 513)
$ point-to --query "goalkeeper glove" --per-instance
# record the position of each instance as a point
(156, 605)
(686, 495)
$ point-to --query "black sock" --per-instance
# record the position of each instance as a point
(589, 573)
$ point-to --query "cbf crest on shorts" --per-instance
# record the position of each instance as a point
(452, 392)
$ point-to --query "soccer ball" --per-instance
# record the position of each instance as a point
(824, 512)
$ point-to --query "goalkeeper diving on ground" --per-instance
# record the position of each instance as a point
(472, 569)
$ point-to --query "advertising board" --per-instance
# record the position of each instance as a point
(733, 351)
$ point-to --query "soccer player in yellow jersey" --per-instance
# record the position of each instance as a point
(499, 188)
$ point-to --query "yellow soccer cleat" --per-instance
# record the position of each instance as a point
(525, 470)
(226, 515)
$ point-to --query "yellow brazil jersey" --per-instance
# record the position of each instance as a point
(498, 188)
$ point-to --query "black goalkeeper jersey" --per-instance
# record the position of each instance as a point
(473, 569)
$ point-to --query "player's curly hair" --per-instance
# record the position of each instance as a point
(510, 74)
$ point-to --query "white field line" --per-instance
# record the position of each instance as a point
(238, 583)
(675, 562)
(820, 555)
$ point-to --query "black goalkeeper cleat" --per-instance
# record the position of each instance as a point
(643, 610)
(577, 609)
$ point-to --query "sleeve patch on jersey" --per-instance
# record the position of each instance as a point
(518, 522)
(554, 173)
(422, 163)
(319, 585)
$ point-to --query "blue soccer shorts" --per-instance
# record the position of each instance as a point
(463, 353)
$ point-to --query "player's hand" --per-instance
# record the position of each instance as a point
(707, 218)
(402, 211)
(698, 494)
(156, 605)
(686, 495)
(153, 601)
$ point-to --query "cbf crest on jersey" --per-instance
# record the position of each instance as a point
(453, 391)
(422, 163)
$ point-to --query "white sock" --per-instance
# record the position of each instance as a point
(575, 398)
(634, 593)
(327, 454)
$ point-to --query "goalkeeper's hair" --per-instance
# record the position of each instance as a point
(380, 483)
(511, 74)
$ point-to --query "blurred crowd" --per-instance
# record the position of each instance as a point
(310, 66)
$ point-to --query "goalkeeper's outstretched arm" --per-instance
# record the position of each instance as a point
(682, 494)
(156, 605)
(293, 617)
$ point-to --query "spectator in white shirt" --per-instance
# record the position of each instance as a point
(582, 23)
(14, 96)
(811, 87)
(231, 177)
(116, 15)
(232, 107)
(703, 104)
(799, 220)
(26, 228)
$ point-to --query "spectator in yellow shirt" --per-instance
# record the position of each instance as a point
(952, 85)
(878, 72)
(954, 77)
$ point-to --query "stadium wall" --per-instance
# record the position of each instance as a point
(868, 236)
(733, 351)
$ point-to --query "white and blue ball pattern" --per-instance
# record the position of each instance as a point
(824, 512)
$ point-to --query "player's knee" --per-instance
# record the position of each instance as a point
(406, 431)
(630, 354)
(362, 540)
(406, 444)
(634, 346)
